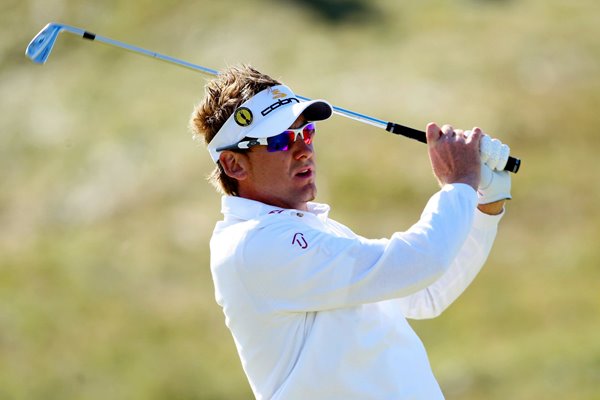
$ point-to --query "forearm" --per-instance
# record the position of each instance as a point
(433, 300)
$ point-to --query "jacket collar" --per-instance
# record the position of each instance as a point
(246, 209)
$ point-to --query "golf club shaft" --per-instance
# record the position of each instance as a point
(512, 164)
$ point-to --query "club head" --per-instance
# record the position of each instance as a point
(41, 45)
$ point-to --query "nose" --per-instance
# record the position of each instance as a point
(301, 150)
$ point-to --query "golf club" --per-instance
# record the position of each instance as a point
(41, 45)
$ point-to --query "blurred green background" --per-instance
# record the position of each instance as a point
(105, 214)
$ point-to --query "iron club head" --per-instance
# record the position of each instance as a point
(41, 45)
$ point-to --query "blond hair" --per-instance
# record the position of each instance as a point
(223, 95)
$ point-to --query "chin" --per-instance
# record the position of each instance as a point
(311, 191)
(311, 196)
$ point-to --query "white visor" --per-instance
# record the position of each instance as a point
(266, 114)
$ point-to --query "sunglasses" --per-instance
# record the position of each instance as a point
(281, 142)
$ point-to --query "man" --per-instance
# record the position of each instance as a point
(316, 311)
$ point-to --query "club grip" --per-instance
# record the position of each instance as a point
(512, 164)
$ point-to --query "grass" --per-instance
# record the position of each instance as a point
(105, 214)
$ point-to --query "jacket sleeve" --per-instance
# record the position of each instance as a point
(289, 266)
(433, 300)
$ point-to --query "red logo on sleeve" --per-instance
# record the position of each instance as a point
(300, 240)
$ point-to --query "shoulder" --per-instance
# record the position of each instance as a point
(269, 231)
(288, 239)
(278, 232)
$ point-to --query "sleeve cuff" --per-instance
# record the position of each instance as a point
(463, 188)
(485, 221)
(481, 220)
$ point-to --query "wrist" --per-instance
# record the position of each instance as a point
(473, 182)
(494, 208)
(470, 180)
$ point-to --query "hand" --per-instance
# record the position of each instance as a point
(454, 156)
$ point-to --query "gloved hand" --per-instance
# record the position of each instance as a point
(494, 185)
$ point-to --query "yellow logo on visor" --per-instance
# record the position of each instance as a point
(277, 94)
(243, 116)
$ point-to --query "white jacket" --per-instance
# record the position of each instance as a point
(318, 312)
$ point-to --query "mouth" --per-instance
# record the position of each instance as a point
(305, 172)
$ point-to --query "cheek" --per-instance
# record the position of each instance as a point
(268, 166)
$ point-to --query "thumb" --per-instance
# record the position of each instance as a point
(432, 132)
(487, 176)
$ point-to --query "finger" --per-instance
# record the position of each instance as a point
(474, 136)
(448, 130)
(494, 156)
(485, 147)
(433, 132)
(504, 153)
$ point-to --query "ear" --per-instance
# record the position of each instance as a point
(235, 165)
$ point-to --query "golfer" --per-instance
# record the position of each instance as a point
(317, 311)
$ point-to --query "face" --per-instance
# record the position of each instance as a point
(283, 179)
